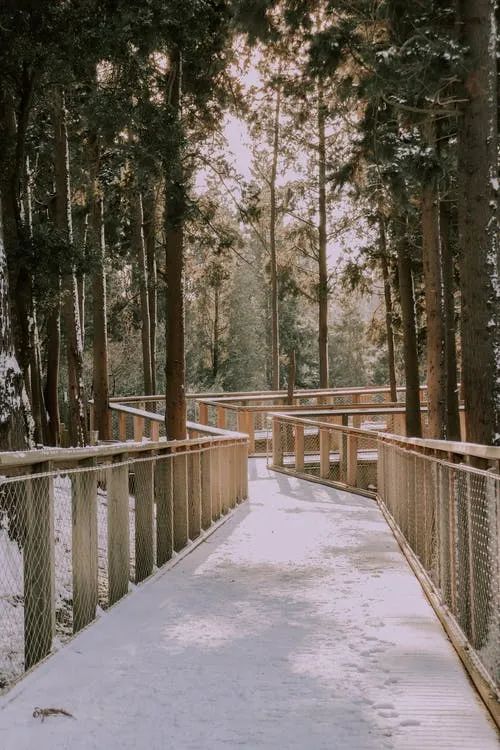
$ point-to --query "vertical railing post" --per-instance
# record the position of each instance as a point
(221, 417)
(277, 443)
(299, 448)
(194, 493)
(202, 413)
(206, 488)
(118, 529)
(324, 453)
(84, 544)
(216, 488)
(164, 508)
(144, 518)
(122, 426)
(180, 494)
(138, 423)
(352, 460)
(39, 576)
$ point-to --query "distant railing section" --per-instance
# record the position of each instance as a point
(79, 527)
(442, 500)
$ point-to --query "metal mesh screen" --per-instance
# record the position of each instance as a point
(450, 516)
(73, 541)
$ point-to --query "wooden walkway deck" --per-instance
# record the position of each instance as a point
(296, 626)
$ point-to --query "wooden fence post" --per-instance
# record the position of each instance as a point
(84, 545)
(194, 494)
(324, 453)
(299, 448)
(352, 459)
(221, 417)
(164, 508)
(138, 428)
(206, 488)
(277, 444)
(39, 578)
(118, 530)
(251, 431)
(180, 492)
(144, 518)
(122, 426)
(216, 485)
(202, 413)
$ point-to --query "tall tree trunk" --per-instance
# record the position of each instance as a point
(175, 396)
(478, 214)
(434, 307)
(137, 221)
(53, 362)
(388, 310)
(15, 421)
(70, 307)
(150, 209)
(322, 242)
(450, 344)
(275, 336)
(407, 300)
(215, 346)
(100, 376)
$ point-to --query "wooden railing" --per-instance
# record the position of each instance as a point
(77, 526)
(442, 501)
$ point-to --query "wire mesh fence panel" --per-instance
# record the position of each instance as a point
(449, 515)
(72, 540)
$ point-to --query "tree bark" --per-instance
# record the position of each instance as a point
(100, 375)
(139, 250)
(175, 396)
(77, 428)
(215, 344)
(407, 301)
(434, 306)
(477, 214)
(150, 206)
(291, 377)
(53, 364)
(450, 344)
(322, 242)
(15, 421)
(275, 337)
(388, 310)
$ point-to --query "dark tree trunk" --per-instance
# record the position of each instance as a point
(175, 396)
(150, 206)
(215, 345)
(275, 337)
(70, 307)
(478, 229)
(450, 345)
(53, 362)
(434, 307)
(137, 221)
(322, 245)
(410, 350)
(388, 310)
(15, 420)
(100, 376)
(291, 377)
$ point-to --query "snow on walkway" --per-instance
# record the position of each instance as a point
(296, 626)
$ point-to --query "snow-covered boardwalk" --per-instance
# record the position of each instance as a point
(296, 626)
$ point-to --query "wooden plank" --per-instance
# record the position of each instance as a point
(299, 447)
(118, 531)
(194, 494)
(251, 431)
(144, 519)
(84, 546)
(180, 492)
(206, 489)
(216, 485)
(37, 497)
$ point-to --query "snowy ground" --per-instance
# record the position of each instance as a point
(296, 626)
